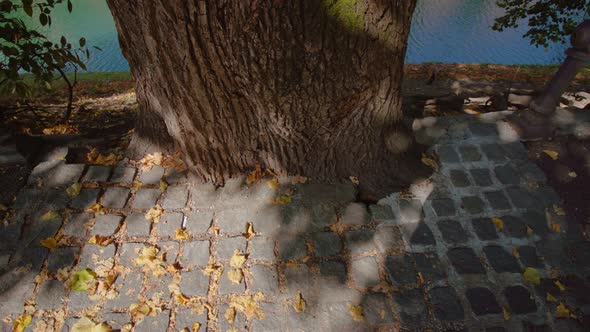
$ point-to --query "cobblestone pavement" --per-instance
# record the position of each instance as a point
(447, 255)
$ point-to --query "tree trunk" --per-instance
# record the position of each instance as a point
(307, 87)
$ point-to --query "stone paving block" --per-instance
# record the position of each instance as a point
(297, 219)
(533, 172)
(514, 227)
(270, 325)
(516, 150)
(483, 129)
(176, 197)
(452, 231)
(501, 260)
(172, 176)
(520, 300)
(267, 220)
(169, 223)
(401, 269)
(444, 207)
(418, 233)
(360, 241)
(28, 199)
(85, 199)
(80, 300)
(97, 173)
(469, 153)
(336, 317)
(411, 305)
(537, 221)
(333, 270)
(50, 296)
(388, 238)
(227, 246)
(521, 198)
(129, 288)
(91, 254)
(507, 174)
(186, 318)
(61, 258)
(292, 248)
(226, 286)
(356, 214)
(156, 323)
(326, 244)
(116, 320)
(195, 253)
(547, 196)
(376, 309)
(381, 213)
(322, 217)
(137, 225)
(115, 197)
(459, 178)
(298, 278)
(204, 195)
(410, 211)
(129, 252)
(494, 152)
(198, 222)
(365, 272)
(17, 287)
(484, 228)
(528, 257)
(146, 198)
(465, 261)
(232, 221)
(483, 301)
(37, 230)
(123, 174)
(497, 200)
(447, 154)
(152, 176)
(62, 174)
(446, 304)
(264, 279)
(429, 266)
(56, 199)
(472, 204)
(106, 224)
(481, 176)
(262, 248)
(194, 283)
(239, 323)
(33, 254)
(170, 249)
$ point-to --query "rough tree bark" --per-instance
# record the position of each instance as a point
(308, 87)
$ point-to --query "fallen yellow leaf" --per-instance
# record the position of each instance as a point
(355, 180)
(553, 154)
(237, 260)
(154, 214)
(282, 200)
(61, 129)
(529, 230)
(551, 298)
(96, 208)
(562, 311)
(356, 311)
(182, 299)
(84, 324)
(430, 161)
(181, 234)
(532, 275)
(505, 313)
(558, 210)
(102, 241)
(515, 252)
(150, 262)
(299, 304)
(499, 223)
(559, 285)
(235, 276)
(248, 305)
(230, 315)
(94, 157)
(196, 327)
(273, 184)
(139, 310)
(74, 189)
(49, 243)
(163, 185)
(21, 323)
(555, 227)
(50, 215)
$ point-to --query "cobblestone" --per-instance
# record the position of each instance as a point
(106, 225)
(452, 231)
(137, 225)
(446, 304)
(262, 248)
(469, 153)
(481, 176)
(465, 261)
(401, 269)
(146, 198)
(196, 253)
(459, 179)
(97, 173)
(123, 174)
(418, 233)
(152, 176)
(365, 272)
(483, 301)
(176, 197)
(520, 300)
(115, 197)
(501, 260)
(85, 199)
(497, 200)
(169, 223)
(194, 283)
(264, 279)
(444, 207)
(472, 204)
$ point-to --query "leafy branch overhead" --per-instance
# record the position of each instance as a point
(548, 20)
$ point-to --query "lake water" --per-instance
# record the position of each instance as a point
(450, 31)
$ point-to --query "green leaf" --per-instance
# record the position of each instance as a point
(81, 278)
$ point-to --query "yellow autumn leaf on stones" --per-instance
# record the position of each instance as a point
(555, 227)
(529, 231)
(429, 161)
(181, 234)
(96, 208)
(163, 185)
(74, 189)
(237, 260)
(562, 311)
(102, 241)
(150, 262)
(553, 154)
(499, 223)
(559, 285)
(515, 252)
(84, 324)
(49, 243)
(273, 184)
(230, 315)
(356, 312)
(282, 200)
(154, 214)
(299, 303)
(235, 276)
(558, 210)
(196, 327)
(532, 275)
(354, 180)
(551, 298)
(21, 323)
(505, 313)
(3, 208)
(249, 305)
(249, 231)
(81, 279)
(139, 310)
(50, 215)
(62, 129)
(182, 299)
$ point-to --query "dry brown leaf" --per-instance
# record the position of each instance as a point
(505, 313)
(249, 231)
(560, 285)
(62, 129)
(515, 252)
(182, 235)
(255, 176)
(248, 305)
(299, 303)
(529, 230)
(50, 243)
(551, 298)
(154, 214)
(50, 215)
(356, 312)
(430, 161)
(102, 241)
(562, 311)
(354, 180)
(553, 154)
(150, 262)
(139, 310)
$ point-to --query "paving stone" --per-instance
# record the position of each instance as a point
(533, 172)
(401, 269)
(529, 258)
(292, 248)
(381, 213)
(326, 244)
(97, 173)
(56, 199)
(516, 150)
(483, 301)
(137, 225)
(16, 288)
(115, 197)
(459, 179)
(297, 219)
(232, 221)
(484, 228)
(116, 320)
(501, 260)
(56, 173)
(410, 211)
(537, 221)
(336, 318)
(547, 196)
(411, 305)
(465, 261)
(481, 176)
(469, 153)
(239, 323)
(418, 233)
(360, 241)
(322, 217)
(37, 230)
(483, 129)
(388, 238)
(28, 199)
(169, 223)
(172, 176)
(447, 154)
(204, 195)
(264, 279)
(92, 253)
(507, 174)
(376, 309)
(520, 300)
(170, 248)
(196, 253)
(270, 325)
(107, 224)
(85, 199)
(452, 231)
(429, 266)
(521, 198)
(198, 222)
(61, 258)
(497, 200)
(268, 220)
(194, 283)
(33, 254)
(446, 304)
(514, 227)
(227, 246)
(146, 198)
(494, 152)
(129, 252)
(176, 197)
(186, 318)
(80, 300)
(156, 323)
(365, 272)
(262, 248)
(444, 207)
(472, 204)
(152, 176)
(226, 286)
(129, 288)
(298, 278)
(50, 295)
(356, 214)
(123, 174)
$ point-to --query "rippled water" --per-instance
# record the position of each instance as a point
(442, 31)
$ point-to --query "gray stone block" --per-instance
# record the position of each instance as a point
(28, 199)
(381, 213)
(262, 248)
(61, 258)
(410, 211)
(447, 154)
(452, 231)
(186, 318)
(501, 260)
(152, 176)
(401, 269)
(198, 222)
(129, 288)
(483, 301)
(50, 295)
(115, 197)
(204, 195)
(298, 279)
(227, 246)
(446, 304)
(106, 225)
(497, 200)
(459, 179)
(123, 174)
(429, 266)
(226, 286)
(172, 176)
(465, 261)
(138, 225)
(264, 279)
(472, 204)
(194, 283)
(494, 152)
(333, 270)
(481, 176)
(156, 323)
(80, 300)
(91, 254)
(484, 228)
(360, 241)
(483, 129)
(521, 198)
(507, 174)
(444, 207)
(56, 199)
(85, 199)
(169, 223)
(97, 173)
(418, 233)
(16, 288)
(520, 300)
(355, 214)
(326, 244)
(232, 221)
(116, 320)
(292, 248)
(469, 153)
(146, 198)
(365, 272)
(176, 197)
(388, 238)
(196, 253)
(129, 252)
